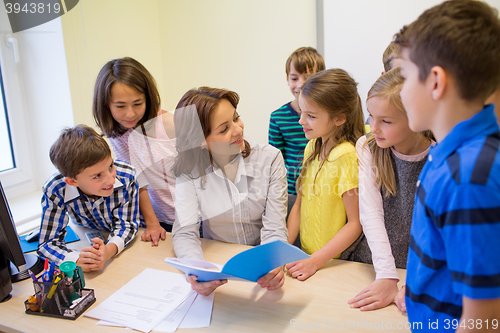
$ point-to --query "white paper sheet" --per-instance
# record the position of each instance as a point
(171, 323)
(107, 323)
(145, 301)
(200, 313)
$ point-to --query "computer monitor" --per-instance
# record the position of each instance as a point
(14, 264)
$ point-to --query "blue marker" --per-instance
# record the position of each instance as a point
(51, 270)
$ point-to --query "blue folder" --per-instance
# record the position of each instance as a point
(71, 236)
(250, 264)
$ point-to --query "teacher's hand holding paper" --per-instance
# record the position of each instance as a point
(272, 281)
(204, 288)
(254, 264)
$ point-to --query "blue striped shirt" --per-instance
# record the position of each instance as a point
(454, 241)
(286, 134)
(118, 213)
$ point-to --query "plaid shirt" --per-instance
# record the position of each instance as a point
(118, 213)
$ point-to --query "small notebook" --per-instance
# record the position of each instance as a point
(71, 236)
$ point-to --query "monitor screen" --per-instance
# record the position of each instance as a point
(14, 264)
(9, 240)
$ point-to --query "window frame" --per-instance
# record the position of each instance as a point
(38, 85)
(20, 179)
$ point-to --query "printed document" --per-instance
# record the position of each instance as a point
(145, 301)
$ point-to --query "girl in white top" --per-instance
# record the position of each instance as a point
(126, 97)
(391, 156)
(239, 188)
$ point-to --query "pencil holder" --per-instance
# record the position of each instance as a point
(64, 298)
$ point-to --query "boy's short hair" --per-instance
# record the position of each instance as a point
(391, 52)
(462, 37)
(305, 59)
(78, 148)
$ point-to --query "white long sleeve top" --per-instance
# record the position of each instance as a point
(251, 210)
(371, 210)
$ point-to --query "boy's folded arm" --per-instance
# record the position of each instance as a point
(123, 232)
(72, 256)
(109, 250)
(125, 228)
(127, 219)
(57, 251)
(54, 220)
(119, 242)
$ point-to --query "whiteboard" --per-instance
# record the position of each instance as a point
(354, 34)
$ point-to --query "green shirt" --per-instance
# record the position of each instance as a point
(286, 134)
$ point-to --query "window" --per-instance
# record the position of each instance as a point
(36, 96)
(16, 169)
(7, 161)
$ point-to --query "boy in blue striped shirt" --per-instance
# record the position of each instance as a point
(450, 59)
(94, 192)
(285, 132)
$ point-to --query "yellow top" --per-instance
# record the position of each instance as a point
(322, 211)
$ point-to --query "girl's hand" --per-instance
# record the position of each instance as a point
(154, 234)
(378, 294)
(303, 269)
(273, 280)
(400, 299)
(204, 288)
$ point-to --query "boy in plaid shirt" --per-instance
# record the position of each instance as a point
(95, 191)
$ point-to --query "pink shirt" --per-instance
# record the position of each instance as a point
(371, 210)
(152, 155)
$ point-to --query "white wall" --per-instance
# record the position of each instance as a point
(356, 33)
(39, 105)
(238, 45)
(46, 83)
(97, 31)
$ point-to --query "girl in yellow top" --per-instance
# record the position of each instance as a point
(327, 210)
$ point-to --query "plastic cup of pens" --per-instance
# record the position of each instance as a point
(60, 294)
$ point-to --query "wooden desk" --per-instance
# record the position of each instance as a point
(319, 302)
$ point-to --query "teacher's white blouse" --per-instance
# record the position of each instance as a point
(250, 211)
